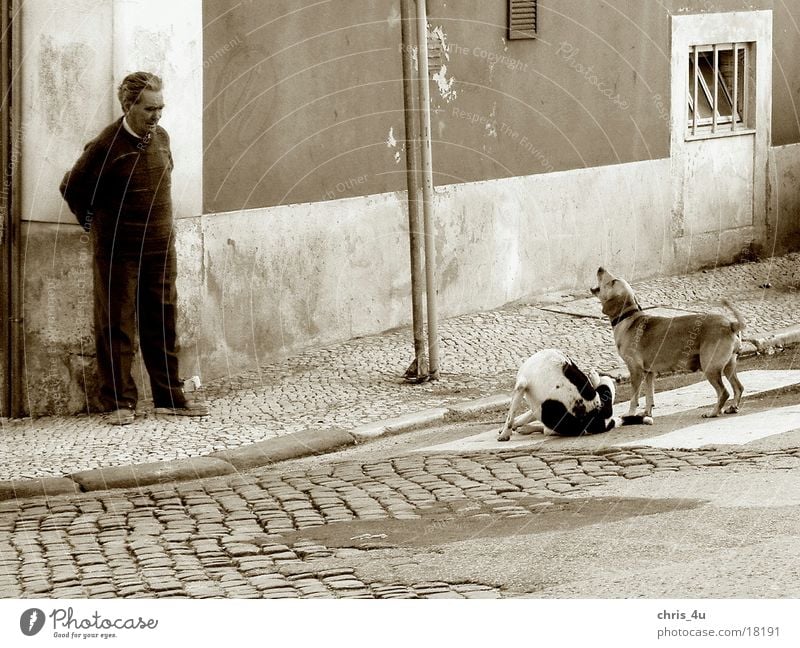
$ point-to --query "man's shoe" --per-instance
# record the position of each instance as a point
(189, 409)
(122, 416)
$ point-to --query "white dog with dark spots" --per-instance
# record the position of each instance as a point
(563, 399)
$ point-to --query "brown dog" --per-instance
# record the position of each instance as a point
(651, 344)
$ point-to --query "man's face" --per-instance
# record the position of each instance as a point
(144, 114)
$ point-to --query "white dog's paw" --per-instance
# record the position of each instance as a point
(530, 428)
(594, 378)
(505, 435)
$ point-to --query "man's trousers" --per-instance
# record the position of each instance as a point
(134, 288)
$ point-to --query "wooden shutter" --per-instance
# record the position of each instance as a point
(521, 19)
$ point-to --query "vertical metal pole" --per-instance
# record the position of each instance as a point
(418, 371)
(11, 309)
(5, 206)
(427, 189)
(15, 233)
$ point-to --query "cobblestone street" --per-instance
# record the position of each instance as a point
(256, 535)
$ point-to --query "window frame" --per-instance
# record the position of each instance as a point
(735, 121)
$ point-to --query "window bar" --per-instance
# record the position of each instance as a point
(735, 102)
(694, 95)
(746, 90)
(716, 91)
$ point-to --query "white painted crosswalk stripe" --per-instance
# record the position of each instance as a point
(701, 394)
(736, 430)
(727, 430)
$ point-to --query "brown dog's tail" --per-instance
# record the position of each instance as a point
(740, 322)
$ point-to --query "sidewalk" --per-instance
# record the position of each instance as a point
(338, 395)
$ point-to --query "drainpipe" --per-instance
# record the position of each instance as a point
(427, 189)
(10, 234)
(418, 371)
(15, 240)
(5, 202)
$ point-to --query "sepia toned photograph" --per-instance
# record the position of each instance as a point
(400, 299)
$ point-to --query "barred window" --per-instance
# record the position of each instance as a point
(720, 88)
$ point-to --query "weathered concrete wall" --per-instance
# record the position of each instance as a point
(719, 184)
(66, 98)
(783, 218)
(59, 344)
(274, 287)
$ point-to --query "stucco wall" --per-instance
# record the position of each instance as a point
(783, 218)
(304, 100)
(67, 95)
(75, 55)
(274, 286)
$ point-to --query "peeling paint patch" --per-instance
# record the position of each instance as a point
(437, 42)
(151, 50)
(391, 142)
(61, 69)
(438, 34)
(491, 123)
(446, 89)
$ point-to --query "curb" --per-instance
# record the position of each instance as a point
(157, 472)
(405, 423)
(483, 405)
(777, 339)
(42, 487)
(290, 446)
(300, 444)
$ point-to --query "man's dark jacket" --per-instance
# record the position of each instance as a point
(122, 183)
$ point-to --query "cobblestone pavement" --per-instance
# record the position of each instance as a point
(253, 535)
(359, 382)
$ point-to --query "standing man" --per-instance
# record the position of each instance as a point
(119, 190)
